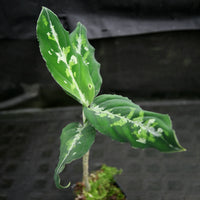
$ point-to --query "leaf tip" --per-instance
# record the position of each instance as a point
(57, 182)
(63, 187)
(179, 149)
(183, 149)
(80, 24)
(44, 8)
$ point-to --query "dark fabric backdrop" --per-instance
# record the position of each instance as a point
(103, 18)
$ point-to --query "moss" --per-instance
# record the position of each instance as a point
(103, 186)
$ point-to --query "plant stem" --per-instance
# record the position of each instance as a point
(86, 165)
(86, 171)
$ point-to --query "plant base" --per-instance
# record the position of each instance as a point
(102, 184)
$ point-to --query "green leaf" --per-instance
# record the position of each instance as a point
(122, 120)
(76, 140)
(69, 57)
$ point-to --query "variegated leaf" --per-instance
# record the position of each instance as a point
(69, 57)
(76, 140)
(122, 120)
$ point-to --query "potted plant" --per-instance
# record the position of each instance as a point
(70, 60)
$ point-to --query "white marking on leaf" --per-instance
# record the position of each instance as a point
(86, 48)
(61, 57)
(151, 121)
(73, 60)
(160, 130)
(141, 140)
(79, 43)
(86, 63)
(140, 131)
(154, 132)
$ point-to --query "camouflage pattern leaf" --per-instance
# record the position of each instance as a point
(76, 140)
(69, 57)
(122, 120)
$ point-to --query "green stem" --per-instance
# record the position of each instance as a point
(86, 165)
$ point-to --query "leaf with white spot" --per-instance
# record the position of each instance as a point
(122, 120)
(69, 57)
(76, 140)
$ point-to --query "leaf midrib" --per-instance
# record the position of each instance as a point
(109, 113)
(75, 140)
